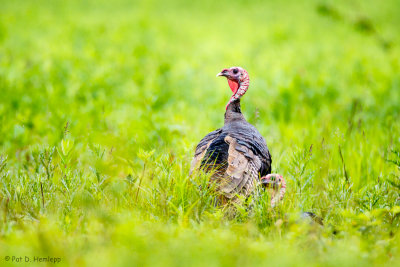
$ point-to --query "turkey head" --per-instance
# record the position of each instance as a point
(276, 185)
(238, 81)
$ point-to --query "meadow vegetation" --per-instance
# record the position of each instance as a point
(103, 102)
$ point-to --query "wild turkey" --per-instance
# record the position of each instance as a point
(237, 154)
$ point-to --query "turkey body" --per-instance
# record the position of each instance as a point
(237, 155)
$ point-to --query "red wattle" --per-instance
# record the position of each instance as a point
(233, 85)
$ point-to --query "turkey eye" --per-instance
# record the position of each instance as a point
(235, 71)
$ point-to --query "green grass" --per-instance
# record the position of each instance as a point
(103, 102)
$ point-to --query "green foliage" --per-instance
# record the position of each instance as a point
(103, 102)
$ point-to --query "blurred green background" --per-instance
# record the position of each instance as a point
(103, 102)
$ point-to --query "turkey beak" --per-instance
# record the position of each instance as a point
(223, 73)
(269, 184)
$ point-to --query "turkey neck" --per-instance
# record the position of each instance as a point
(233, 112)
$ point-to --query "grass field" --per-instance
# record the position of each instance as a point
(103, 102)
